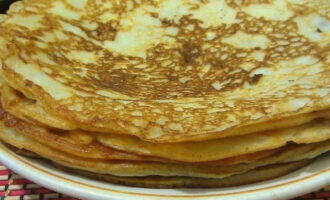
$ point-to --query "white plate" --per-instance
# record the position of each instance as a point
(308, 179)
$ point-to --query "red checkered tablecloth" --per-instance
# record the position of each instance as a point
(13, 186)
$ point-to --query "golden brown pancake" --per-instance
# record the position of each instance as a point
(256, 175)
(29, 110)
(71, 142)
(84, 145)
(204, 151)
(253, 176)
(315, 131)
(167, 93)
(169, 71)
(141, 168)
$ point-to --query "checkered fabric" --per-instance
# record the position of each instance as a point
(15, 187)
(323, 194)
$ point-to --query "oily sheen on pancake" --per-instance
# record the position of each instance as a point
(123, 168)
(170, 71)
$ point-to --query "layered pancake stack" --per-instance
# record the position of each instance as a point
(167, 93)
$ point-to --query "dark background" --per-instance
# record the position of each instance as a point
(4, 5)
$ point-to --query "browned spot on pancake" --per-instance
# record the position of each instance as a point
(256, 78)
(190, 53)
(235, 3)
(105, 31)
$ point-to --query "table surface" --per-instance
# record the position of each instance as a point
(13, 186)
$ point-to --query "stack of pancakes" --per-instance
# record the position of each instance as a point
(167, 93)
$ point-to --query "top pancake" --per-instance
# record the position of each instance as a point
(169, 71)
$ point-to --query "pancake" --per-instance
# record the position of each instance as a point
(321, 7)
(29, 110)
(256, 175)
(72, 142)
(140, 168)
(84, 145)
(167, 93)
(212, 150)
(253, 176)
(2, 17)
(170, 71)
(79, 142)
(312, 132)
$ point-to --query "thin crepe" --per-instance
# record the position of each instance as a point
(139, 168)
(188, 74)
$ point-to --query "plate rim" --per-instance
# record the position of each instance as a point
(51, 175)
